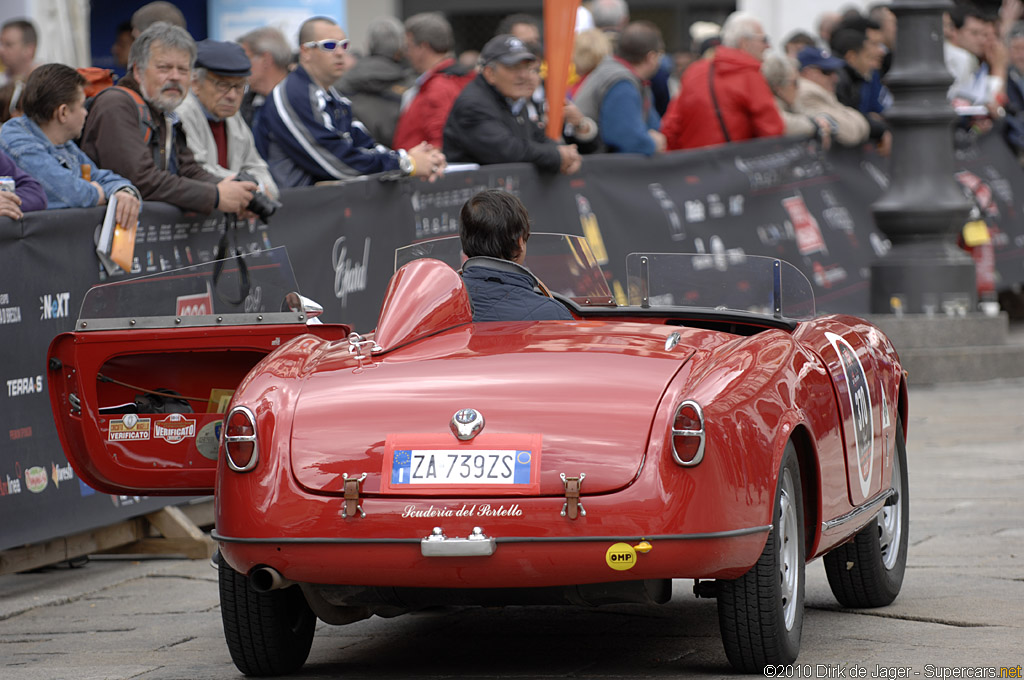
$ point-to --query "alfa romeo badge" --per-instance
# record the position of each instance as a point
(467, 423)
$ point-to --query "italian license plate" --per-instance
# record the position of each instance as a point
(477, 467)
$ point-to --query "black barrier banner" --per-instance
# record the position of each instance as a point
(48, 262)
(991, 176)
(767, 197)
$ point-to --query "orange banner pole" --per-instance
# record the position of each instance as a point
(559, 25)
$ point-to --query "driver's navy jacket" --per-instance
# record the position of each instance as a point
(500, 290)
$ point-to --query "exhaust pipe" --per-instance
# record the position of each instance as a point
(266, 579)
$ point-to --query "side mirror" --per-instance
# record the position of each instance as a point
(293, 302)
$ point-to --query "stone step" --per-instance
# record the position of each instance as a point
(920, 330)
(928, 366)
(944, 349)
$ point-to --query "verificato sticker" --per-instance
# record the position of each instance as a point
(129, 427)
(175, 428)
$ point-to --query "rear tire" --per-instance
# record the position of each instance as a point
(267, 633)
(761, 614)
(868, 571)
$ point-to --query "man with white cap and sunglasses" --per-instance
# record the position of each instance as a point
(306, 130)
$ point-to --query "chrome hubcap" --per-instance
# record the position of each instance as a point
(890, 521)
(789, 550)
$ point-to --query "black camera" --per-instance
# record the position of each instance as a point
(262, 205)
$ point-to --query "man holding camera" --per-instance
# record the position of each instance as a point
(214, 129)
(132, 130)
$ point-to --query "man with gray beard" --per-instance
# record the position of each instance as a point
(132, 130)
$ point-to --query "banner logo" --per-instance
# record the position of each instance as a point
(61, 474)
(200, 304)
(8, 314)
(349, 276)
(36, 479)
(54, 306)
(17, 387)
(809, 238)
(10, 485)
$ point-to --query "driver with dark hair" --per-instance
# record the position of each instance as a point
(494, 228)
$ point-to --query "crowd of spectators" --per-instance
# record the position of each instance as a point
(205, 126)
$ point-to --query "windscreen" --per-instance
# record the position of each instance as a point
(746, 283)
(260, 283)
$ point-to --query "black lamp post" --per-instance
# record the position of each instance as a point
(923, 209)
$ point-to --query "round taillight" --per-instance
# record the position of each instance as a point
(688, 434)
(240, 446)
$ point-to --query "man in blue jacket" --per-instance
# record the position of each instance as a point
(494, 228)
(306, 131)
(617, 93)
(40, 142)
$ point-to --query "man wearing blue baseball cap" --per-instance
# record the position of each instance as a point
(215, 131)
(816, 96)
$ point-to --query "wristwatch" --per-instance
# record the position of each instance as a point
(405, 163)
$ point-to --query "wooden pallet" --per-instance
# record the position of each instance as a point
(173, 530)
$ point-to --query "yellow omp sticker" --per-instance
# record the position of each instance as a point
(620, 557)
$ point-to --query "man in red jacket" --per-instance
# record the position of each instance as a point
(724, 98)
(425, 106)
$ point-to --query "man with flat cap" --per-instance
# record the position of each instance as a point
(489, 122)
(215, 131)
(133, 130)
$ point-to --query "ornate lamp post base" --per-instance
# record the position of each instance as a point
(924, 209)
(923, 278)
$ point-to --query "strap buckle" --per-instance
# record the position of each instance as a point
(573, 506)
(352, 505)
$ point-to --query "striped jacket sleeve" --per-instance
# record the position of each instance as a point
(318, 133)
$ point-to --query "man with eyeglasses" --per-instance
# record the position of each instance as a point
(214, 129)
(306, 130)
(489, 122)
(725, 98)
(132, 128)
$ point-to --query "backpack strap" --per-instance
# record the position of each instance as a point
(146, 123)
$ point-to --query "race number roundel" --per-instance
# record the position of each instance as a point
(860, 405)
(620, 556)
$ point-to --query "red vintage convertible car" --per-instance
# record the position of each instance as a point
(695, 421)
